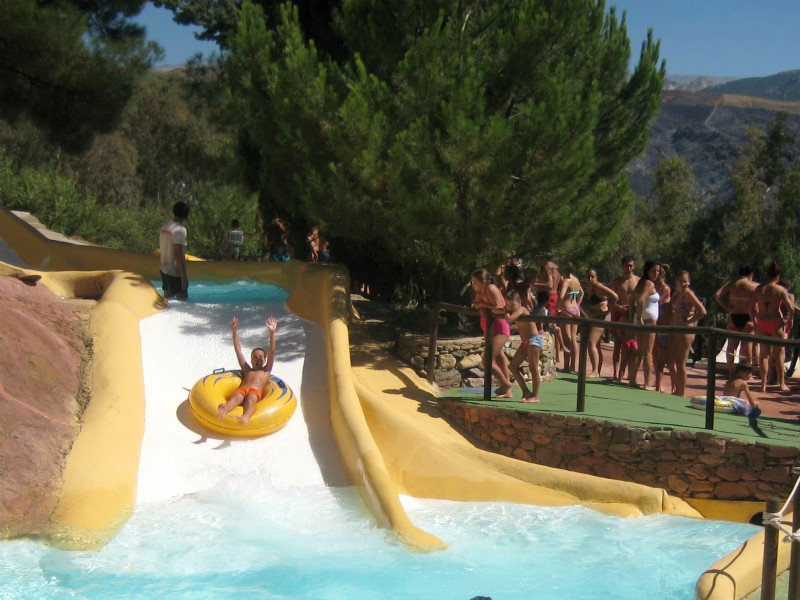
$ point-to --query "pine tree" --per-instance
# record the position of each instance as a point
(70, 66)
(452, 132)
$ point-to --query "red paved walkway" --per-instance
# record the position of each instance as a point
(773, 403)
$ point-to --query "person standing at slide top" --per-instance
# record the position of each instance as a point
(172, 250)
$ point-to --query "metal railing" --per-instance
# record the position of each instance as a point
(711, 334)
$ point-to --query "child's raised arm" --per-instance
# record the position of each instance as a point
(272, 325)
(237, 346)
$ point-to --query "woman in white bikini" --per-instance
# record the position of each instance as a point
(570, 296)
(645, 305)
(662, 353)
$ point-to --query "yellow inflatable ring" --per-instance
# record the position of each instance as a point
(722, 405)
(157, 252)
(272, 411)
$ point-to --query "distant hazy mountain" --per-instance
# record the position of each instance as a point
(782, 87)
(708, 128)
(693, 83)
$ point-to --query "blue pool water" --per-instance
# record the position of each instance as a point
(247, 538)
(240, 292)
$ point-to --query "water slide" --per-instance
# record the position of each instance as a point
(373, 425)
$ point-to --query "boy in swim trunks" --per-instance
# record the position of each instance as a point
(529, 348)
(736, 385)
(624, 343)
(254, 378)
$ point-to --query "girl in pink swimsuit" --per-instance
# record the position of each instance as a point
(488, 298)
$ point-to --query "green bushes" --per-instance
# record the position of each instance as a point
(55, 200)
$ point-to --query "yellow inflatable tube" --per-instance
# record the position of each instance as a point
(275, 408)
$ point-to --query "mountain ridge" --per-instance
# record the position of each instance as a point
(708, 127)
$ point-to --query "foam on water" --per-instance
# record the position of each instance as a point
(246, 538)
(270, 518)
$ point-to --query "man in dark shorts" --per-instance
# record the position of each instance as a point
(172, 249)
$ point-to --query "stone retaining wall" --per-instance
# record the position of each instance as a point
(458, 361)
(686, 463)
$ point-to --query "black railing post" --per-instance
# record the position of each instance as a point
(769, 568)
(432, 342)
(711, 374)
(583, 329)
(794, 560)
(487, 363)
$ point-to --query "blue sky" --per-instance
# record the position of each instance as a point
(722, 38)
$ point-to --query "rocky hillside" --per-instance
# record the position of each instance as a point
(708, 129)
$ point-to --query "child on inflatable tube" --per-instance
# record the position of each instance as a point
(254, 378)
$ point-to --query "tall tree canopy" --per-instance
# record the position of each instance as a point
(70, 65)
(444, 132)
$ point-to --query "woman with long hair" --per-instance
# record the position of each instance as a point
(687, 310)
(662, 354)
(598, 303)
(570, 296)
(645, 307)
(773, 312)
(488, 298)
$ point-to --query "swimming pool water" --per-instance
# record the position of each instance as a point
(244, 291)
(245, 537)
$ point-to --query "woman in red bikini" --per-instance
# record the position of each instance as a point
(488, 298)
(772, 311)
(254, 378)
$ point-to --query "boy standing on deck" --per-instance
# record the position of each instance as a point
(254, 378)
(530, 345)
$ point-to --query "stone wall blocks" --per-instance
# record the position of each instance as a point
(700, 487)
(546, 456)
(697, 467)
(727, 472)
(522, 454)
(712, 460)
(447, 362)
(619, 448)
(677, 484)
(577, 448)
(783, 452)
(778, 474)
(732, 490)
(664, 468)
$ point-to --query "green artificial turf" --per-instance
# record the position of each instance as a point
(615, 403)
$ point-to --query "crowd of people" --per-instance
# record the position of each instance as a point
(765, 309)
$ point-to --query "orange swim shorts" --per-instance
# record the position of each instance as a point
(246, 391)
